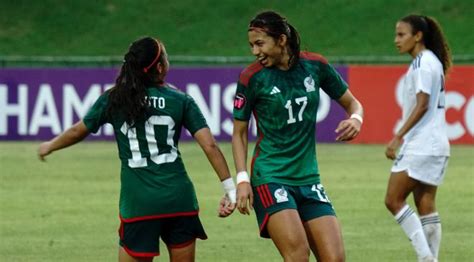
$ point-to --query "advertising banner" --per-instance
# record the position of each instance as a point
(37, 104)
(376, 88)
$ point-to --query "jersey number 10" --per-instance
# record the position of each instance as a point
(137, 159)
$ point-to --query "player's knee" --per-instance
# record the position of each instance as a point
(336, 257)
(296, 253)
(391, 204)
(388, 202)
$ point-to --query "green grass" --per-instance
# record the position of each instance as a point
(67, 209)
(206, 27)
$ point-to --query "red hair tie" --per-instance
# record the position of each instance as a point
(154, 60)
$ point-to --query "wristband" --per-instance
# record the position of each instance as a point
(358, 117)
(229, 189)
(242, 176)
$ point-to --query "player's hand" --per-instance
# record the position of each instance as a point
(226, 207)
(348, 129)
(391, 150)
(43, 150)
(244, 198)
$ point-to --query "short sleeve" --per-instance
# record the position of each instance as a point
(193, 119)
(243, 102)
(423, 79)
(96, 116)
(332, 82)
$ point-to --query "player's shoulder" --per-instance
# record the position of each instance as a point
(249, 72)
(172, 91)
(306, 55)
(426, 60)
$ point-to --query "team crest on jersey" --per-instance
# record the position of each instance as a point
(239, 101)
(309, 84)
(281, 195)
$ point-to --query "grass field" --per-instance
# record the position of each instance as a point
(67, 209)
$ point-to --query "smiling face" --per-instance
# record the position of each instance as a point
(269, 51)
(406, 41)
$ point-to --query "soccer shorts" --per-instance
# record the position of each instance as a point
(141, 238)
(426, 169)
(310, 201)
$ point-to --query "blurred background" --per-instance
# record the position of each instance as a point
(207, 31)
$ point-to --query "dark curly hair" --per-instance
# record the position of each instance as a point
(139, 71)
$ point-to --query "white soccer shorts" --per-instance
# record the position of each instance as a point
(427, 169)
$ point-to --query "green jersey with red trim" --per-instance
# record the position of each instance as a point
(154, 182)
(284, 104)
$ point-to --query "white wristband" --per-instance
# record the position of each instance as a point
(358, 117)
(229, 188)
(242, 176)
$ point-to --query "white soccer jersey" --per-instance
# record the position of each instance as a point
(428, 136)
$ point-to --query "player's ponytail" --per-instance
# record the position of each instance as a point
(436, 42)
(127, 98)
(294, 43)
(433, 37)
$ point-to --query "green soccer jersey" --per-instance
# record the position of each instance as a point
(154, 182)
(284, 104)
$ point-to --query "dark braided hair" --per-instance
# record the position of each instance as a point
(276, 25)
(128, 97)
(433, 37)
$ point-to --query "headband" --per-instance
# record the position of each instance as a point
(158, 53)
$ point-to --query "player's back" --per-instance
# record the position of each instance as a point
(154, 179)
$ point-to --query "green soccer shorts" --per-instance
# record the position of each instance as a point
(141, 238)
(310, 201)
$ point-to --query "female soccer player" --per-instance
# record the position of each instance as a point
(420, 165)
(157, 198)
(282, 90)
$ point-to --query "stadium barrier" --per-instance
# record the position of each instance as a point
(108, 61)
(38, 103)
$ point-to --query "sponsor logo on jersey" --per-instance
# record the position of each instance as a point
(309, 84)
(281, 195)
(239, 101)
(275, 90)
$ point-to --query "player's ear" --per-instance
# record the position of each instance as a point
(282, 40)
(419, 36)
(160, 68)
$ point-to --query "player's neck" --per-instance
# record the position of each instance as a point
(418, 48)
(284, 64)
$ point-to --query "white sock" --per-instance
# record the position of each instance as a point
(432, 228)
(411, 224)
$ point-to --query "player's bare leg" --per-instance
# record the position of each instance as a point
(325, 238)
(183, 254)
(425, 196)
(400, 185)
(125, 257)
(288, 235)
